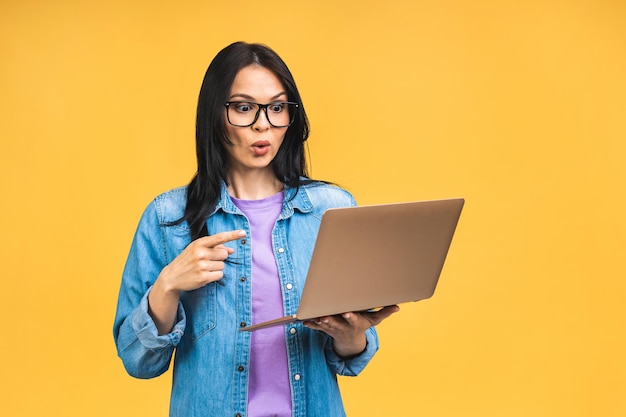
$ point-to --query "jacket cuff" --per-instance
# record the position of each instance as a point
(353, 365)
(146, 330)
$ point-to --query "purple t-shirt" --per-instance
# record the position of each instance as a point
(269, 391)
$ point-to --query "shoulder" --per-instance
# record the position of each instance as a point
(170, 205)
(323, 196)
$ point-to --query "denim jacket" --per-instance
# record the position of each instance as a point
(211, 355)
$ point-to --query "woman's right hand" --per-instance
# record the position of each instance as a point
(199, 264)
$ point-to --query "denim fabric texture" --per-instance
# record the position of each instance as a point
(211, 355)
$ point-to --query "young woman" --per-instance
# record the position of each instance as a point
(233, 248)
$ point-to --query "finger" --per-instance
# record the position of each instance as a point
(199, 252)
(389, 310)
(210, 271)
(221, 238)
(383, 313)
(350, 318)
(322, 322)
(230, 251)
(328, 325)
(212, 266)
(218, 254)
(211, 276)
(312, 324)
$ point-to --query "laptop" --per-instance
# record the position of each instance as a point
(367, 257)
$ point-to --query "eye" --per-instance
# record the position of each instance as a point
(243, 107)
(276, 107)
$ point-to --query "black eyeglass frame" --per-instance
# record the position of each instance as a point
(258, 111)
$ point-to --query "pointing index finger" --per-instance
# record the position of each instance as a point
(223, 237)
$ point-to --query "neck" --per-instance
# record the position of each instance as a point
(253, 185)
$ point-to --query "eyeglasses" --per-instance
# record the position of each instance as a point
(246, 113)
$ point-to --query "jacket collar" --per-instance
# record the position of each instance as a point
(294, 199)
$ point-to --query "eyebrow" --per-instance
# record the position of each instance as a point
(247, 97)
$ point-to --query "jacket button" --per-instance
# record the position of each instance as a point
(242, 324)
(296, 377)
(292, 330)
(240, 368)
(243, 241)
(281, 250)
(242, 279)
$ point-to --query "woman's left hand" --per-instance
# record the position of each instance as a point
(348, 329)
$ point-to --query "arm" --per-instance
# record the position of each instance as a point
(150, 319)
(144, 353)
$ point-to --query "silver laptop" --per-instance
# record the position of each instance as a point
(367, 257)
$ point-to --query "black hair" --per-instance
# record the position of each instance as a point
(289, 165)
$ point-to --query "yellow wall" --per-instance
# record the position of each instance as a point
(518, 106)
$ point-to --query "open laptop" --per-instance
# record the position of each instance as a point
(367, 257)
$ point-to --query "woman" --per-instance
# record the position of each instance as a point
(232, 248)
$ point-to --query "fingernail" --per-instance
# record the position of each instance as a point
(242, 233)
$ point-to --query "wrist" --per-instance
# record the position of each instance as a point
(350, 351)
(164, 288)
(163, 306)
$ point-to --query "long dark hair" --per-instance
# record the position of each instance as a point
(289, 165)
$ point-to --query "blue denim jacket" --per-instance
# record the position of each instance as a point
(210, 376)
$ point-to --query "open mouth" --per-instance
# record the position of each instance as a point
(260, 147)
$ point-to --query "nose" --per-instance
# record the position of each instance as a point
(261, 123)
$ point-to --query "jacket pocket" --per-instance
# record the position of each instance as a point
(200, 308)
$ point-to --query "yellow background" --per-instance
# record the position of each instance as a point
(518, 106)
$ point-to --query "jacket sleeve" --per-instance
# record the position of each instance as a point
(354, 365)
(144, 353)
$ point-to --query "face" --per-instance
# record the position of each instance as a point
(254, 147)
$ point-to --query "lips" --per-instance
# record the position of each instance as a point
(261, 147)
